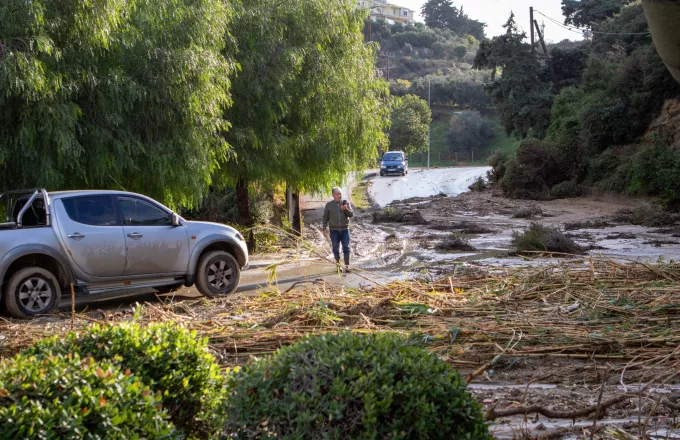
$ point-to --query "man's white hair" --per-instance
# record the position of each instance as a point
(336, 190)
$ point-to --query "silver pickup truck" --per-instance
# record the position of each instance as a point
(107, 242)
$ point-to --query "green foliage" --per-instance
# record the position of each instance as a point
(66, 396)
(587, 13)
(535, 169)
(469, 130)
(111, 93)
(610, 92)
(566, 190)
(310, 107)
(417, 53)
(460, 51)
(656, 170)
(444, 15)
(498, 163)
(352, 386)
(457, 90)
(455, 242)
(523, 97)
(323, 76)
(410, 119)
(539, 238)
(478, 185)
(569, 64)
(171, 360)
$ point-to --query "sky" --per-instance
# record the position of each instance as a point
(496, 12)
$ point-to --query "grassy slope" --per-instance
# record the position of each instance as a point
(439, 154)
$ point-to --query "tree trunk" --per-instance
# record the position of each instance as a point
(297, 214)
(245, 215)
(289, 203)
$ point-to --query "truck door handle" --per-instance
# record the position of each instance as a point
(135, 235)
(76, 236)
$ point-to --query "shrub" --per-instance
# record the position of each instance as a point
(536, 168)
(69, 397)
(459, 51)
(171, 360)
(497, 162)
(455, 243)
(656, 171)
(478, 185)
(539, 238)
(528, 212)
(646, 215)
(566, 190)
(352, 386)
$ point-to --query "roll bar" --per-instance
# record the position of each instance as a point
(35, 193)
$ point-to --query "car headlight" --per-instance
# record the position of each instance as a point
(240, 237)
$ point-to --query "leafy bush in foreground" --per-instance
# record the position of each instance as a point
(539, 238)
(352, 386)
(70, 398)
(171, 360)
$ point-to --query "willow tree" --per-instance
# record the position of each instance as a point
(113, 93)
(308, 102)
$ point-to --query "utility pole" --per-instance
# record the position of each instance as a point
(429, 105)
(547, 55)
(533, 39)
(385, 63)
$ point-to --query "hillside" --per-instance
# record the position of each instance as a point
(441, 153)
(595, 121)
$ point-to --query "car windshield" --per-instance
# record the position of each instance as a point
(393, 156)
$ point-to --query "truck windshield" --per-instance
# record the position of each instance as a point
(393, 157)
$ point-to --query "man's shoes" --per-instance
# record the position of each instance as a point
(347, 270)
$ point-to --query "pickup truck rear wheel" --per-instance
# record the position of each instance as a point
(32, 291)
(217, 274)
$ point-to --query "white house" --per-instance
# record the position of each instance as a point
(386, 10)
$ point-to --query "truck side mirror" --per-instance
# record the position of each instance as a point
(175, 220)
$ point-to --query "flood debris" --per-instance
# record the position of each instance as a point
(464, 227)
(529, 212)
(540, 238)
(647, 214)
(396, 215)
(587, 224)
(621, 236)
(659, 243)
(478, 185)
(568, 322)
(455, 243)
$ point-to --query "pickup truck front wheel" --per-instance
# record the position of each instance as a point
(217, 274)
(32, 291)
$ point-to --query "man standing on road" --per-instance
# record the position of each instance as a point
(336, 216)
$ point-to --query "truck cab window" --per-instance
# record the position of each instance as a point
(140, 213)
(91, 210)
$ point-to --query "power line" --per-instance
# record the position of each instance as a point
(594, 32)
(560, 24)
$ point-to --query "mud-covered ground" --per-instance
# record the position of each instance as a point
(487, 221)
(383, 252)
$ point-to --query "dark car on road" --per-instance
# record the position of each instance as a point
(394, 162)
